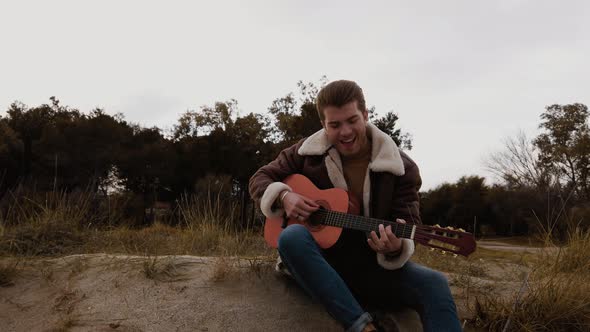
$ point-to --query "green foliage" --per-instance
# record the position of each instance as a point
(565, 146)
(387, 125)
(459, 204)
(55, 148)
(296, 117)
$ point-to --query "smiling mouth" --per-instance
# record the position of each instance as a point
(347, 142)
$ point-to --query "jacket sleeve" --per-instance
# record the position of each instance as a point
(406, 206)
(265, 185)
(407, 202)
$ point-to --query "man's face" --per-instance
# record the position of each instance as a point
(346, 128)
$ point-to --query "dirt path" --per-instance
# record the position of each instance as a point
(499, 245)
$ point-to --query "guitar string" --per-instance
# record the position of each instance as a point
(334, 218)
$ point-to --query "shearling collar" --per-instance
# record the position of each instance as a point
(385, 156)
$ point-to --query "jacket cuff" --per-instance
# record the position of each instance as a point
(267, 202)
(395, 263)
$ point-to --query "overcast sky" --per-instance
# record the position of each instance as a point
(462, 75)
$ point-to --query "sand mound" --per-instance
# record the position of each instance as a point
(169, 293)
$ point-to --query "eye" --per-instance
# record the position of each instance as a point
(334, 125)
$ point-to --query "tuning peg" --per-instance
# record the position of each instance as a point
(437, 226)
(444, 252)
(455, 255)
(451, 228)
(431, 249)
(461, 230)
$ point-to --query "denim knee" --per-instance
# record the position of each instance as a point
(293, 239)
(438, 279)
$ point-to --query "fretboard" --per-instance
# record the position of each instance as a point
(345, 220)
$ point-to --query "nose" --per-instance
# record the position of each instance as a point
(345, 130)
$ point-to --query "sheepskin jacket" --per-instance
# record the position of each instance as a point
(390, 189)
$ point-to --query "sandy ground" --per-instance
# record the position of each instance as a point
(101, 292)
(112, 293)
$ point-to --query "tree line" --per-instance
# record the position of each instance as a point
(215, 149)
(544, 182)
(53, 147)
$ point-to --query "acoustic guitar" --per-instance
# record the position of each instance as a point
(335, 213)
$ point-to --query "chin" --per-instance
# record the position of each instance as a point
(348, 152)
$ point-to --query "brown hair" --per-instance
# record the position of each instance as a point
(339, 93)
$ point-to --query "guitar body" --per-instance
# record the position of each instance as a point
(334, 199)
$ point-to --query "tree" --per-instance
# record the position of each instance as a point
(295, 117)
(29, 125)
(564, 147)
(518, 164)
(387, 125)
(206, 120)
(457, 204)
(10, 151)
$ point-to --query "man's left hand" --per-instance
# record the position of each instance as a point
(386, 242)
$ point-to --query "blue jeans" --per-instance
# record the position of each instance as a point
(338, 285)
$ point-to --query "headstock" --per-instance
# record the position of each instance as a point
(457, 241)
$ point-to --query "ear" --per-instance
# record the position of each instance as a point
(366, 115)
(323, 124)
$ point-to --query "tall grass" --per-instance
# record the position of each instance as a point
(556, 297)
(44, 225)
(65, 223)
(211, 226)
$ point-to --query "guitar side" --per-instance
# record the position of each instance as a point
(331, 199)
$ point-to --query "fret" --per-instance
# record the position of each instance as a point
(344, 220)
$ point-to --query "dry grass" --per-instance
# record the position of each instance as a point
(45, 226)
(223, 268)
(261, 265)
(556, 296)
(471, 266)
(162, 269)
(61, 224)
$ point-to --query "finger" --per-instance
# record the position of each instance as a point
(401, 221)
(295, 212)
(372, 245)
(309, 208)
(389, 233)
(394, 242)
(383, 236)
(304, 214)
(311, 202)
(313, 208)
(376, 241)
(385, 240)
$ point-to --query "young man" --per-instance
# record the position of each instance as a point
(360, 270)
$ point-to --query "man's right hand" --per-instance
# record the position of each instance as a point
(298, 207)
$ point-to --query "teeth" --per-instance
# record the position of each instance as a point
(348, 141)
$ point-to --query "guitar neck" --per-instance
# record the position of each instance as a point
(366, 224)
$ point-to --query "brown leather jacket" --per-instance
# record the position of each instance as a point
(390, 189)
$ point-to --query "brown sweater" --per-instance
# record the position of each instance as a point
(355, 170)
